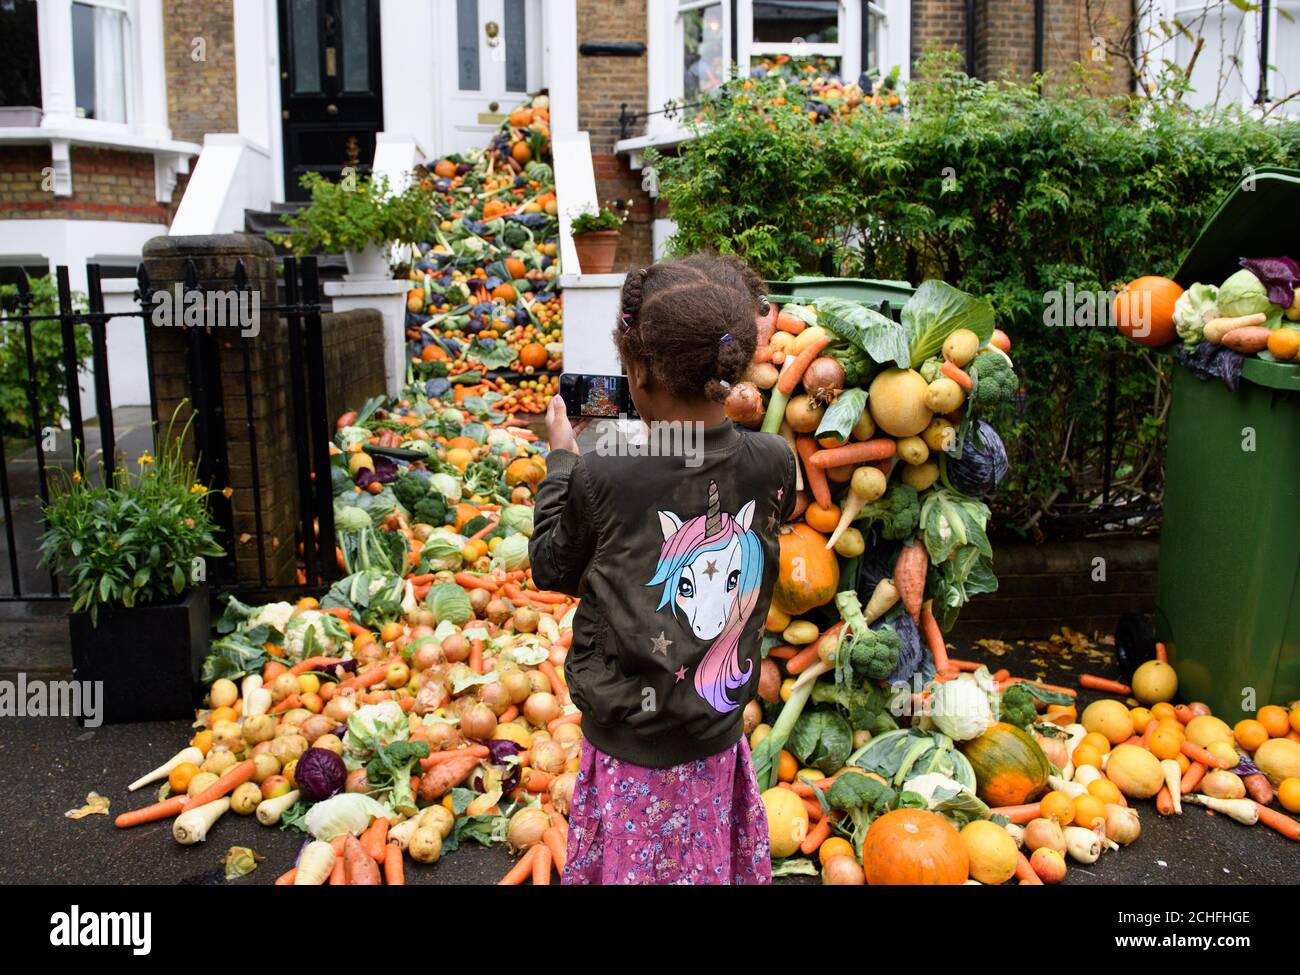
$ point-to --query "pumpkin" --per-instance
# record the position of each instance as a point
(914, 846)
(465, 513)
(533, 354)
(787, 821)
(809, 574)
(516, 267)
(525, 470)
(444, 168)
(521, 117)
(521, 152)
(1010, 767)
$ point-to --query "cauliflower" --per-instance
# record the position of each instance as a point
(274, 615)
(311, 633)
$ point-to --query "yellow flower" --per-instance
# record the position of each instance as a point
(227, 492)
(144, 459)
(198, 489)
(76, 477)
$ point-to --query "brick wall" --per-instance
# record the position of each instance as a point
(200, 93)
(938, 22)
(107, 184)
(353, 344)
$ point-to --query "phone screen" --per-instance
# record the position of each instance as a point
(596, 396)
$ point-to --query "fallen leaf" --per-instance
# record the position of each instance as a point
(240, 861)
(96, 805)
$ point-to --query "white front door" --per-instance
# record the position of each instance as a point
(491, 56)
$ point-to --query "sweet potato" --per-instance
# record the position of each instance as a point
(359, 866)
(441, 779)
(909, 577)
(1248, 340)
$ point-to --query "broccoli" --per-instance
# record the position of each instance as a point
(995, 380)
(483, 477)
(863, 798)
(866, 707)
(431, 510)
(870, 654)
(410, 489)
(1017, 706)
(898, 511)
(392, 768)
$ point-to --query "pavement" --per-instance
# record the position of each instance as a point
(49, 765)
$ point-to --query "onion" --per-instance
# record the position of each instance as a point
(744, 405)
(421, 630)
(541, 709)
(547, 756)
(495, 696)
(356, 781)
(842, 870)
(762, 374)
(1054, 748)
(1198, 708)
(1049, 864)
(441, 736)
(562, 792)
(478, 600)
(517, 685)
(315, 726)
(478, 722)
(824, 379)
(455, 647)
(537, 682)
(526, 827)
(570, 736)
(1043, 832)
(803, 414)
(1222, 784)
(427, 654)
(752, 716)
(1122, 824)
(526, 619)
(498, 611)
(340, 708)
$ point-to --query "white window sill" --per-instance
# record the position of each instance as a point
(635, 148)
(170, 157)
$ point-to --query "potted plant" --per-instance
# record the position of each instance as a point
(595, 238)
(361, 218)
(131, 552)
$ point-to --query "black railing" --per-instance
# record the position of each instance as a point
(208, 375)
(627, 120)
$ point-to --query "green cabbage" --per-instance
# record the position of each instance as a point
(511, 553)
(348, 812)
(350, 518)
(442, 551)
(351, 435)
(448, 485)
(519, 518)
(1245, 294)
(448, 601)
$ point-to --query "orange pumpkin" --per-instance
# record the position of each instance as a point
(445, 168)
(515, 267)
(465, 513)
(525, 470)
(914, 846)
(810, 573)
(521, 117)
(521, 152)
(466, 443)
(1144, 310)
(533, 354)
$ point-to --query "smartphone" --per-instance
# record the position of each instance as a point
(596, 396)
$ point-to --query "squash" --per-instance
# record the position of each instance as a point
(809, 574)
(1110, 719)
(991, 851)
(914, 846)
(1279, 759)
(787, 821)
(1135, 771)
(1205, 729)
(896, 400)
(1011, 768)
(525, 470)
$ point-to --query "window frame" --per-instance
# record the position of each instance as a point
(130, 62)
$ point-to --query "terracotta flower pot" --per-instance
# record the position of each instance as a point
(596, 250)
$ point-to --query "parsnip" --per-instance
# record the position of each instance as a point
(314, 865)
(190, 754)
(269, 811)
(192, 825)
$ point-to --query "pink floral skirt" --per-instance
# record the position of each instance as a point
(697, 823)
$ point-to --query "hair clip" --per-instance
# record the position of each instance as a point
(764, 305)
(627, 321)
(725, 338)
(724, 384)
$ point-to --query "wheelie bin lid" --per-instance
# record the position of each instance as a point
(1247, 224)
(893, 294)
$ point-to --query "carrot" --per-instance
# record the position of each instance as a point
(1164, 801)
(394, 869)
(574, 717)
(817, 483)
(361, 868)
(1019, 814)
(1025, 873)
(469, 751)
(536, 780)
(1147, 734)
(966, 665)
(367, 680)
(1258, 788)
(522, 869)
(420, 580)
(541, 865)
(909, 578)
(818, 835)
(790, 378)
(783, 652)
(1161, 653)
(509, 714)
(339, 872)
(554, 841)
(957, 375)
(467, 580)
(286, 879)
(804, 659)
(483, 531)
(1183, 713)
(557, 686)
(546, 596)
(288, 704)
(790, 323)
(860, 452)
(1095, 683)
(1001, 675)
(342, 612)
(1275, 820)
(375, 837)
(171, 806)
(314, 663)
(1198, 754)
(1192, 778)
(476, 656)
(934, 638)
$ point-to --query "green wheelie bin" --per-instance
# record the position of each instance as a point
(1228, 584)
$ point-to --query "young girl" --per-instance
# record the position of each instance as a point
(674, 558)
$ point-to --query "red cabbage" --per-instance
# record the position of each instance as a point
(1278, 275)
(982, 464)
(319, 774)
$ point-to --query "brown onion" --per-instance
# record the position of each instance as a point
(526, 827)
(842, 870)
(547, 756)
(526, 620)
(455, 647)
(562, 792)
(494, 696)
(803, 414)
(517, 686)
(441, 736)
(356, 782)
(541, 709)
(427, 654)
(498, 611)
(752, 716)
(340, 708)
(824, 379)
(478, 722)
(478, 600)
(317, 725)
(744, 405)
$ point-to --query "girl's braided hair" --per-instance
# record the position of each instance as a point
(691, 321)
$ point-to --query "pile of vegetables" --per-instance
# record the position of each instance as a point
(484, 311)
(417, 704)
(814, 83)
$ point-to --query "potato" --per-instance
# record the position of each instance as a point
(199, 782)
(913, 450)
(218, 760)
(288, 748)
(960, 347)
(940, 434)
(244, 800)
(865, 428)
(944, 395)
(263, 765)
(920, 476)
(259, 728)
(426, 845)
(283, 686)
(227, 734)
(439, 818)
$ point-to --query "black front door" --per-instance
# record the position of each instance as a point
(330, 94)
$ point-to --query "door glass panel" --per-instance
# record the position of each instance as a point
(703, 69)
(782, 21)
(354, 38)
(516, 41)
(305, 26)
(467, 44)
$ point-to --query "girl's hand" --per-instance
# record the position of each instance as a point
(560, 433)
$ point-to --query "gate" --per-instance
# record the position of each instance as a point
(209, 381)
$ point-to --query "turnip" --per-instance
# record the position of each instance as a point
(192, 825)
(1083, 845)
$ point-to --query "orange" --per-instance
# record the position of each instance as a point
(1275, 719)
(1140, 718)
(1097, 740)
(307, 602)
(1088, 809)
(1163, 710)
(1166, 744)
(1086, 755)
(521, 151)
(1284, 343)
(1144, 310)
(787, 767)
(1184, 763)
(179, 780)
(822, 519)
(1288, 793)
(1295, 719)
(1174, 725)
(834, 847)
(1057, 805)
(202, 741)
(218, 715)
(1250, 734)
(1106, 791)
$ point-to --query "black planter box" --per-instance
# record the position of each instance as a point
(148, 657)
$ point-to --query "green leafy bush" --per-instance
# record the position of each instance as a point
(355, 212)
(1001, 191)
(592, 221)
(47, 354)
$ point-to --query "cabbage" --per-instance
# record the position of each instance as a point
(518, 517)
(1245, 294)
(319, 774)
(960, 709)
(350, 518)
(982, 464)
(448, 601)
(351, 435)
(442, 551)
(350, 812)
(448, 485)
(511, 553)
(1195, 306)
